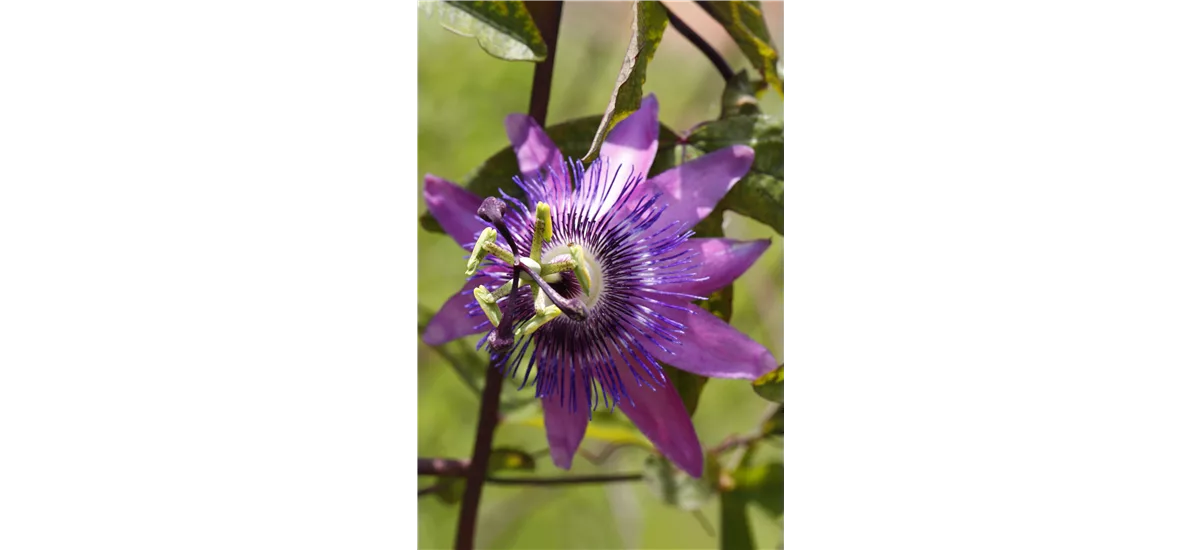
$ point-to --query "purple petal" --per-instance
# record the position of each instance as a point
(564, 428)
(720, 260)
(454, 208)
(710, 347)
(451, 322)
(692, 189)
(631, 146)
(659, 413)
(533, 147)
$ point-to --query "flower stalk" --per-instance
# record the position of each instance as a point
(547, 16)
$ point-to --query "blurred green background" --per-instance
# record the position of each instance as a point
(464, 95)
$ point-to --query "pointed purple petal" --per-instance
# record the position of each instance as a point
(659, 413)
(631, 145)
(720, 261)
(454, 208)
(531, 144)
(692, 189)
(710, 347)
(564, 428)
(452, 321)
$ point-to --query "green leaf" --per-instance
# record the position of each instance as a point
(649, 24)
(676, 487)
(770, 385)
(758, 195)
(763, 133)
(741, 96)
(735, 524)
(743, 20)
(507, 458)
(572, 137)
(720, 303)
(687, 384)
(762, 486)
(503, 29)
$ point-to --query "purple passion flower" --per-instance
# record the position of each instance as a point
(607, 277)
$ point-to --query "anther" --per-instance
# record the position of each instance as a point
(581, 270)
(487, 302)
(542, 231)
(542, 317)
(486, 237)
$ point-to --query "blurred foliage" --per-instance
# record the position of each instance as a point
(677, 488)
(649, 25)
(464, 95)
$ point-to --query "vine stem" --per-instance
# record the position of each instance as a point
(698, 41)
(547, 16)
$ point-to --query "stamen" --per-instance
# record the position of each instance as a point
(581, 270)
(486, 237)
(557, 267)
(574, 308)
(487, 302)
(541, 231)
(542, 317)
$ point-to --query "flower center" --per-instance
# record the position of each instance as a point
(556, 284)
(587, 263)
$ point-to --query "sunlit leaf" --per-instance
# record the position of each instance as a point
(762, 486)
(649, 24)
(503, 29)
(572, 137)
(676, 487)
(507, 458)
(744, 22)
(741, 96)
(735, 524)
(770, 385)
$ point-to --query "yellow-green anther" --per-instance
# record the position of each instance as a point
(542, 317)
(566, 264)
(487, 302)
(488, 236)
(500, 252)
(541, 231)
(581, 271)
